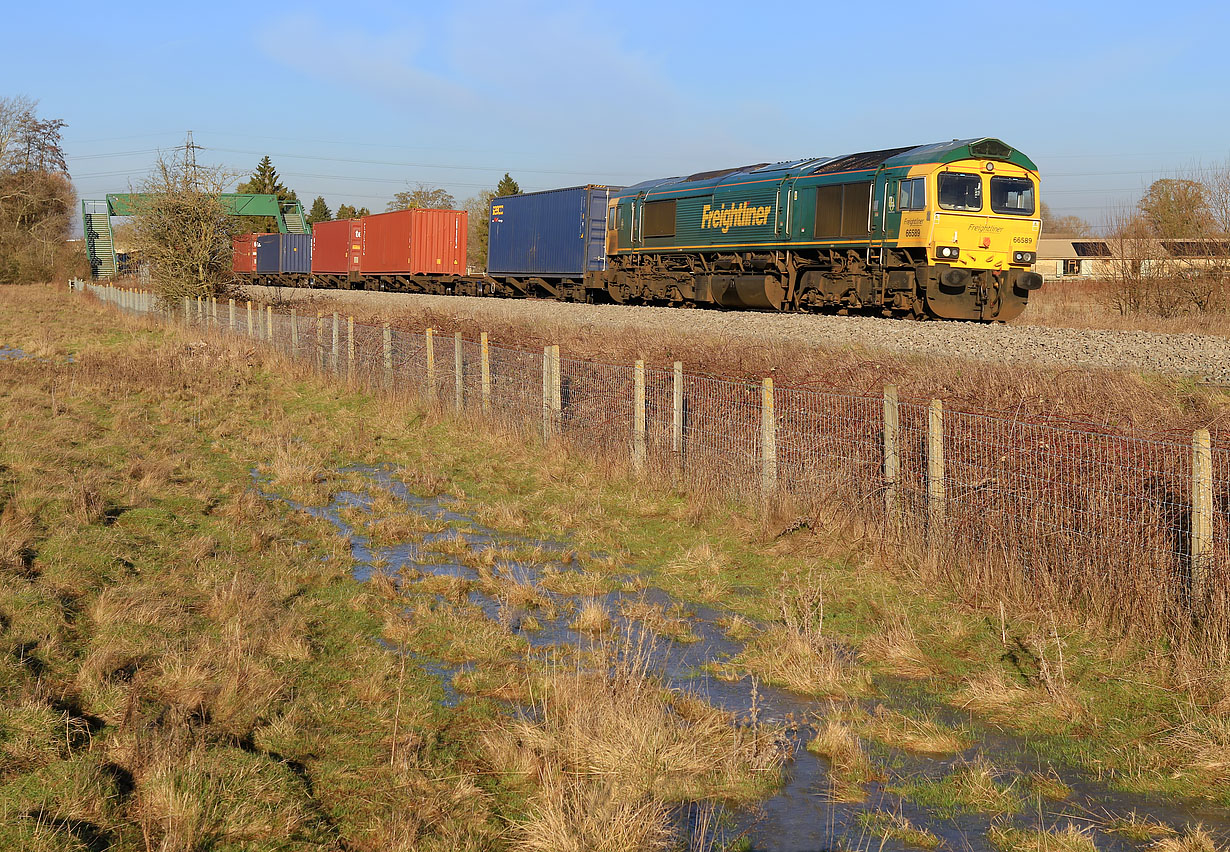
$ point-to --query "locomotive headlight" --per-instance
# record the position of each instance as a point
(950, 252)
(1024, 256)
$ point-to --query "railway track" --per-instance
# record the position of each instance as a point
(1206, 357)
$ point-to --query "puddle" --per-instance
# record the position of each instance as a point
(801, 815)
(12, 353)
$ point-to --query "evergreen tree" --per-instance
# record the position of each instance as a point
(347, 211)
(507, 186)
(319, 212)
(264, 180)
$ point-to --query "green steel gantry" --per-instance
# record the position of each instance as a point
(100, 243)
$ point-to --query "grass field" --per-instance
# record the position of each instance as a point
(191, 666)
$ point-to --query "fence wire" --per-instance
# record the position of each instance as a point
(1093, 512)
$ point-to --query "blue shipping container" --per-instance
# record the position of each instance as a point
(284, 253)
(268, 254)
(559, 233)
(296, 253)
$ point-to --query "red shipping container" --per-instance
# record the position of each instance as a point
(243, 253)
(414, 242)
(335, 246)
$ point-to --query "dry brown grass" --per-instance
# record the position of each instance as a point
(572, 814)
(453, 545)
(995, 695)
(808, 666)
(580, 583)
(895, 647)
(1194, 839)
(656, 618)
(1106, 397)
(917, 734)
(1201, 747)
(297, 467)
(1089, 304)
(607, 735)
(703, 566)
(213, 797)
(1137, 827)
(16, 536)
(849, 766)
(507, 681)
(795, 653)
(1067, 839)
(515, 586)
(738, 628)
(592, 617)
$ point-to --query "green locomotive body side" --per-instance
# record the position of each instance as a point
(860, 230)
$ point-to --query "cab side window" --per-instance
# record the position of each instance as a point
(912, 195)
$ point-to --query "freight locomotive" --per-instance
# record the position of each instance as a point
(946, 231)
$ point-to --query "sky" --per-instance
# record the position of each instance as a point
(354, 100)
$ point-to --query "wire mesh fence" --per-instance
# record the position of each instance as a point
(1086, 512)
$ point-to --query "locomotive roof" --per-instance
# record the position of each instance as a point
(940, 152)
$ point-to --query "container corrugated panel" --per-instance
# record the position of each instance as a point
(559, 233)
(268, 257)
(414, 242)
(296, 253)
(331, 246)
(243, 253)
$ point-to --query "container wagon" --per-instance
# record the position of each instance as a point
(243, 254)
(335, 251)
(418, 251)
(546, 243)
(284, 254)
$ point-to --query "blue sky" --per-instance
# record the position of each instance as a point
(355, 99)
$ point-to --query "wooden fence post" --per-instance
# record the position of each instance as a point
(892, 453)
(350, 349)
(638, 416)
(430, 335)
(768, 441)
(187, 309)
(677, 413)
(459, 398)
(230, 313)
(294, 331)
(251, 324)
(557, 397)
(546, 393)
(935, 467)
(213, 309)
(431, 363)
(269, 323)
(200, 311)
(336, 361)
(486, 373)
(1202, 516)
(388, 356)
(320, 341)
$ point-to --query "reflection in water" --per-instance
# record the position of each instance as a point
(801, 815)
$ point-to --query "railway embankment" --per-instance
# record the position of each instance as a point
(1121, 380)
(1201, 356)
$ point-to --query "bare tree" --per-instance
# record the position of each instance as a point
(14, 113)
(36, 199)
(423, 195)
(1176, 208)
(182, 230)
(479, 208)
(1062, 226)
